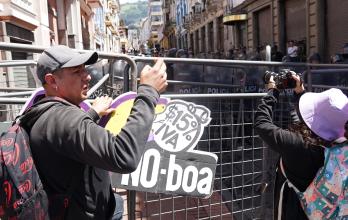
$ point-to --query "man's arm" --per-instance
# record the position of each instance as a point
(77, 136)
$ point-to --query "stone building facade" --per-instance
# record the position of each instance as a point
(80, 24)
(215, 27)
(318, 26)
(156, 22)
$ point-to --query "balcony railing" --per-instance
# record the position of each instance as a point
(196, 18)
(110, 20)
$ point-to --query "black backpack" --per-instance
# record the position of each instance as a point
(22, 195)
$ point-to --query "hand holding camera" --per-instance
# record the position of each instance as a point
(285, 79)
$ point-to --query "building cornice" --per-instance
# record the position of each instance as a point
(19, 22)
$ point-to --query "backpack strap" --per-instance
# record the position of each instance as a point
(53, 99)
(287, 181)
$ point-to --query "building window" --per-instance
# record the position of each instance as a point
(203, 41)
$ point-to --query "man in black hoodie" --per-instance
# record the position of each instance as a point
(72, 153)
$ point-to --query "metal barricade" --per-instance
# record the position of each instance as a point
(243, 183)
(238, 179)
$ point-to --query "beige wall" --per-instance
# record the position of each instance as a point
(311, 25)
(42, 32)
(205, 19)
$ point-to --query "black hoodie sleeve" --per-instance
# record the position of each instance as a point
(301, 161)
(71, 132)
(280, 140)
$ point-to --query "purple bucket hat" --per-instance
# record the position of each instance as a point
(325, 113)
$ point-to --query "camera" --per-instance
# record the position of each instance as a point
(283, 79)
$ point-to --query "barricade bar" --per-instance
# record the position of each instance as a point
(17, 63)
(177, 82)
(216, 62)
(246, 63)
(89, 93)
(97, 85)
(10, 89)
(5, 100)
(21, 101)
(38, 49)
(14, 94)
(224, 95)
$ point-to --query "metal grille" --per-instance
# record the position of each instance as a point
(238, 179)
(243, 185)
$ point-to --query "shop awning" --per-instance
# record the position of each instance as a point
(233, 18)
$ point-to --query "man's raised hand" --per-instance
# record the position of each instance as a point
(155, 76)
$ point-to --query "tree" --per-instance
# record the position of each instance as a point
(132, 13)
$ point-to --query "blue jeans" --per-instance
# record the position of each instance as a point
(119, 207)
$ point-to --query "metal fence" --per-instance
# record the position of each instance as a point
(243, 186)
(231, 90)
(238, 179)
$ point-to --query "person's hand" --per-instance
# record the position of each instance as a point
(271, 83)
(155, 76)
(102, 105)
(299, 85)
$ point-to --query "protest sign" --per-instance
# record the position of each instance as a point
(170, 163)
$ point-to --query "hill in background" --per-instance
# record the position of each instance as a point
(132, 13)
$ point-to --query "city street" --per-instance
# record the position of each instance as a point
(216, 54)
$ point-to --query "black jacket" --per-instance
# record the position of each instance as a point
(74, 154)
(301, 161)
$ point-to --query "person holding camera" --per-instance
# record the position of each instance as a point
(299, 148)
